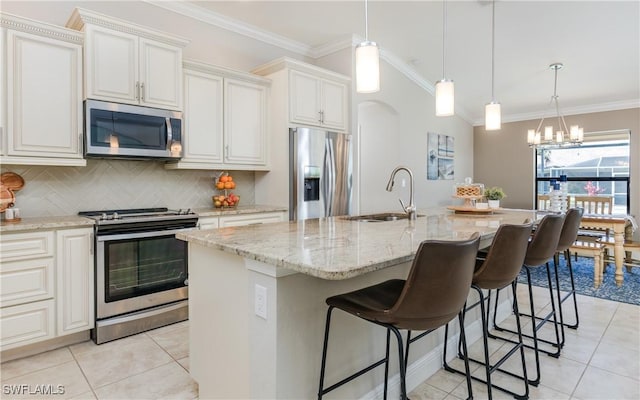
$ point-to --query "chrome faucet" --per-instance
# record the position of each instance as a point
(411, 208)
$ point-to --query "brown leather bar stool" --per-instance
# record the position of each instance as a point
(568, 236)
(432, 295)
(498, 270)
(541, 249)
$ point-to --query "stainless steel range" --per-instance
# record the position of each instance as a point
(141, 270)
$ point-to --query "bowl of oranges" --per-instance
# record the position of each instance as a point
(225, 181)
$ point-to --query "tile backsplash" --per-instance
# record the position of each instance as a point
(118, 184)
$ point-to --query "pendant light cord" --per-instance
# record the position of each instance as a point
(366, 21)
(493, 50)
(444, 30)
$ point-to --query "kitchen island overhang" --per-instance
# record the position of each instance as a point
(235, 353)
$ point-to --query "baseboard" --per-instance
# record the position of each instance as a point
(424, 367)
(46, 345)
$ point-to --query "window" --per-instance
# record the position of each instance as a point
(600, 167)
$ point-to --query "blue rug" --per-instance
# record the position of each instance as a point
(629, 292)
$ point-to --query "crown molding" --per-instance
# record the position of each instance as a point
(27, 25)
(586, 109)
(80, 17)
(233, 25)
(332, 47)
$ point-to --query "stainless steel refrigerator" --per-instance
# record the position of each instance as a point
(320, 173)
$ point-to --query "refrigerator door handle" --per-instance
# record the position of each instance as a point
(329, 173)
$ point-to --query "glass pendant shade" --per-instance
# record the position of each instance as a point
(367, 67)
(444, 98)
(492, 117)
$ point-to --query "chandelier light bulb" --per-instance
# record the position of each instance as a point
(559, 137)
(531, 136)
(548, 133)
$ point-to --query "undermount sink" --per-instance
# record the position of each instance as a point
(379, 217)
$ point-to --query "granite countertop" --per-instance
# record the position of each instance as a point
(336, 248)
(38, 223)
(71, 221)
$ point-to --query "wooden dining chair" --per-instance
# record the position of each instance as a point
(544, 201)
(595, 204)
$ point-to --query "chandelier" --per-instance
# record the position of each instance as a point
(563, 137)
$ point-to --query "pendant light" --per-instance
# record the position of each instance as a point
(444, 87)
(367, 61)
(492, 118)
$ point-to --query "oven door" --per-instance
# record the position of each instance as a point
(135, 271)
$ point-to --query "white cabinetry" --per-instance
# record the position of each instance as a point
(317, 101)
(27, 313)
(75, 282)
(47, 285)
(42, 103)
(225, 119)
(127, 63)
(208, 222)
(224, 221)
(251, 219)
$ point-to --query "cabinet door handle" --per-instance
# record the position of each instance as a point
(226, 151)
(137, 90)
(142, 91)
(320, 119)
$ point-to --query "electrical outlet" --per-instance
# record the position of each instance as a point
(260, 307)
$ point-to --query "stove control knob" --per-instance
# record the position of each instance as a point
(104, 216)
(115, 215)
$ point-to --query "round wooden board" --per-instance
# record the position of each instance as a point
(471, 210)
(12, 181)
(9, 182)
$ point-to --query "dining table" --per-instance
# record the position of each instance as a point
(621, 227)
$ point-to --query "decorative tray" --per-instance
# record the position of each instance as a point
(471, 210)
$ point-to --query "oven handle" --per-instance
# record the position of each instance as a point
(106, 238)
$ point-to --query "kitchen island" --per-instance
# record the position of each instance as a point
(257, 301)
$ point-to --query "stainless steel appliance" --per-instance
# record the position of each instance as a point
(141, 270)
(320, 173)
(124, 131)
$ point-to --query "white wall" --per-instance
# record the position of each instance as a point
(387, 140)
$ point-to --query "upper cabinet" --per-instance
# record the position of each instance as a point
(225, 119)
(317, 101)
(314, 96)
(42, 102)
(127, 63)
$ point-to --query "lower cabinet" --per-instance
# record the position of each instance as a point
(251, 219)
(208, 223)
(47, 285)
(224, 221)
(75, 281)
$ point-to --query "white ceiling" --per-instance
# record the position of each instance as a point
(598, 42)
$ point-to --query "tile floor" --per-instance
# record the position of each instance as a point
(601, 360)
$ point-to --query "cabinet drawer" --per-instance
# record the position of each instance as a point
(208, 223)
(19, 246)
(26, 281)
(251, 219)
(27, 323)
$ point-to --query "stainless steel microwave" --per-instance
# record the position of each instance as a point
(114, 130)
